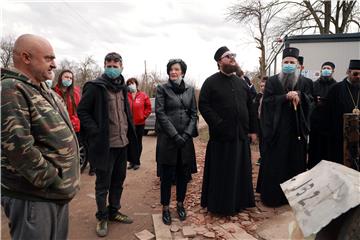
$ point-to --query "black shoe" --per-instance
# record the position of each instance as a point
(136, 167)
(121, 218)
(181, 212)
(166, 217)
(130, 166)
(91, 172)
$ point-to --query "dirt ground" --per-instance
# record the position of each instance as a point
(140, 200)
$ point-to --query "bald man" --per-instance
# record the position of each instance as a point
(39, 150)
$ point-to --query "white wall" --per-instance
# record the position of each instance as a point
(315, 54)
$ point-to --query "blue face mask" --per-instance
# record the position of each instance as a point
(49, 83)
(132, 88)
(289, 68)
(326, 72)
(113, 72)
(66, 83)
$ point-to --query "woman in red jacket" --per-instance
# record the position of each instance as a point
(140, 107)
(70, 93)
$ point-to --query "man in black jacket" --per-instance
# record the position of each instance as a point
(226, 105)
(106, 125)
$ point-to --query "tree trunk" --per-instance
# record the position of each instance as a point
(327, 17)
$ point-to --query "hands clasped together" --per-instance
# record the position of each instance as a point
(294, 97)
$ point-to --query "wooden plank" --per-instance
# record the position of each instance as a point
(351, 140)
(162, 231)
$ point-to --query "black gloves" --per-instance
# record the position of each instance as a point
(179, 141)
(185, 136)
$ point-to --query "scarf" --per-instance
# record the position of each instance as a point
(114, 85)
(178, 89)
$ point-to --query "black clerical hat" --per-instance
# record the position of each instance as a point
(301, 60)
(354, 64)
(220, 52)
(331, 64)
(291, 52)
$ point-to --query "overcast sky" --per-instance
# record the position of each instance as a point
(151, 30)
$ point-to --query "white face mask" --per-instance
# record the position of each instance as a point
(132, 88)
(49, 83)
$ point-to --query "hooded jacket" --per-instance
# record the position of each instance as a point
(39, 150)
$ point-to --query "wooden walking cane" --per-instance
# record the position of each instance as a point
(297, 121)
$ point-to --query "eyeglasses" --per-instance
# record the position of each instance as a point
(355, 74)
(229, 56)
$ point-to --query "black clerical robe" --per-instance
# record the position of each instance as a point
(284, 136)
(226, 105)
(318, 137)
(339, 102)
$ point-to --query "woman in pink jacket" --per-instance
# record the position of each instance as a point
(140, 107)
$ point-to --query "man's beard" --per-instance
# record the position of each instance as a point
(355, 81)
(228, 68)
(289, 80)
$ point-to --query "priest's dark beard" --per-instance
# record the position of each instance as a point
(229, 68)
(289, 80)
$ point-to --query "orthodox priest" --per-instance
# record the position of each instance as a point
(226, 105)
(343, 97)
(318, 138)
(285, 125)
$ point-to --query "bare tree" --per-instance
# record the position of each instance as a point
(320, 16)
(6, 53)
(260, 14)
(67, 65)
(88, 70)
(149, 83)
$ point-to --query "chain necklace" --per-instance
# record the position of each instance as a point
(356, 109)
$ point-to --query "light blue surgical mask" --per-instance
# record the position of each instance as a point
(326, 72)
(132, 88)
(49, 83)
(113, 72)
(288, 68)
(66, 82)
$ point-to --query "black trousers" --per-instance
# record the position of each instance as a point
(168, 173)
(139, 129)
(110, 182)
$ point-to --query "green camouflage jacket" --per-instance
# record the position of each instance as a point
(39, 149)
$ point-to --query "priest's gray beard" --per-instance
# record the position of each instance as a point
(289, 80)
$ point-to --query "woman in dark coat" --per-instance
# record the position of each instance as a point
(176, 125)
